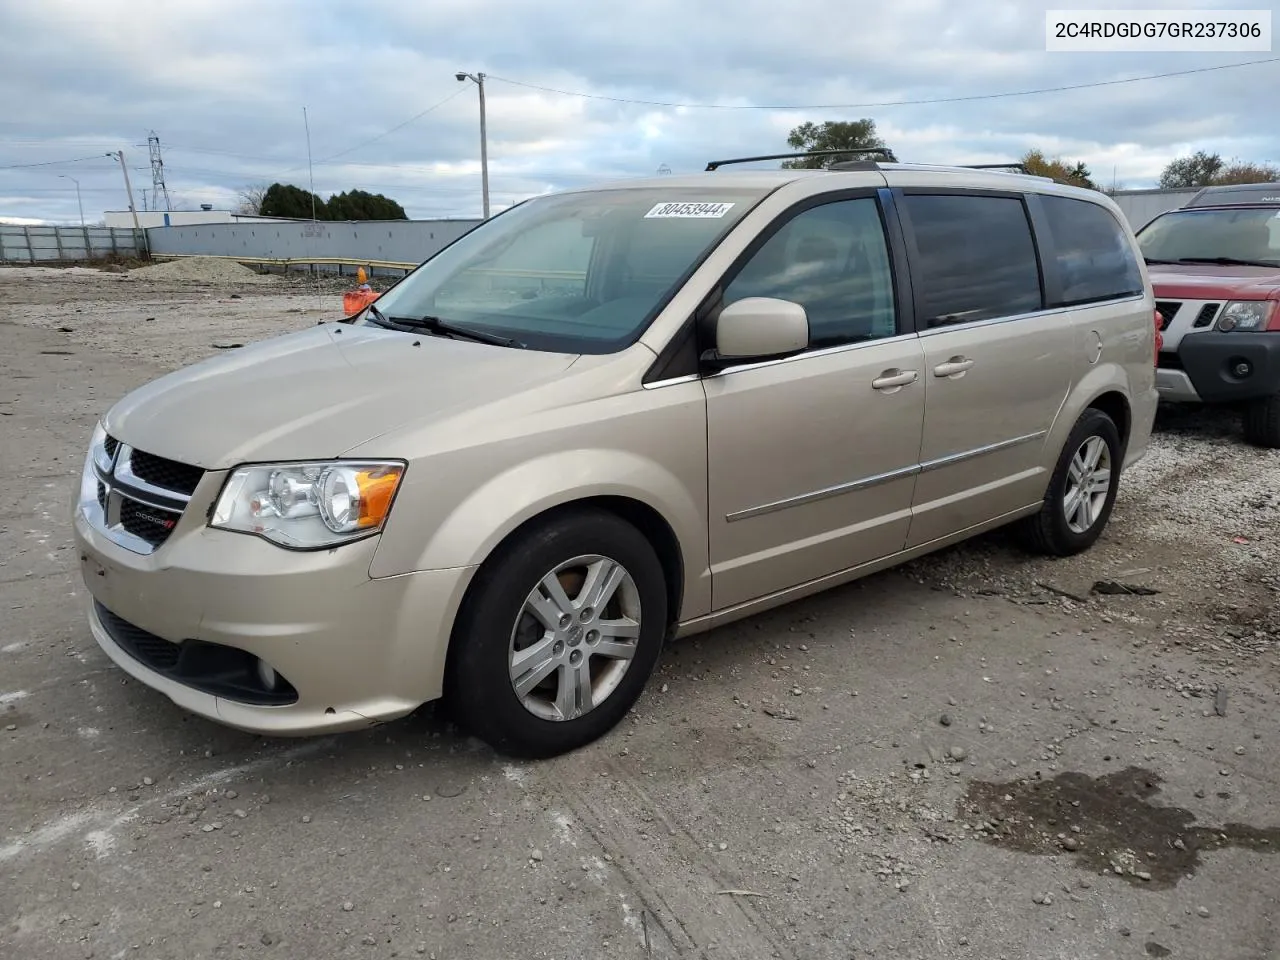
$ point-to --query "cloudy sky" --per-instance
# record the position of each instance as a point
(223, 83)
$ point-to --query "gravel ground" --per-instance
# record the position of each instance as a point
(201, 270)
(973, 756)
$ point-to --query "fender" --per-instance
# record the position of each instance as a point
(1106, 378)
(474, 526)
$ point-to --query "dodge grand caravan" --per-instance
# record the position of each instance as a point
(608, 418)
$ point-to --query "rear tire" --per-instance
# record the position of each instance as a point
(1262, 422)
(1077, 505)
(558, 635)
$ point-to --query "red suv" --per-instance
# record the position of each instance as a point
(1215, 268)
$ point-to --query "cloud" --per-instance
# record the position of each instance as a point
(223, 84)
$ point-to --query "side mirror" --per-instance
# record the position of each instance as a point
(759, 327)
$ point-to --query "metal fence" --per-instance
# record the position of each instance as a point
(67, 244)
(385, 246)
(1140, 207)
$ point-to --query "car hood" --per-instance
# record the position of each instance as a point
(1212, 282)
(318, 393)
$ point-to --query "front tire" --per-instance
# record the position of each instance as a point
(1262, 422)
(558, 635)
(1082, 491)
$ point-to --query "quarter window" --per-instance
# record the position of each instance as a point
(833, 260)
(977, 258)
(1095, 261)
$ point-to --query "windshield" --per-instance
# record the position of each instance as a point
(580, 273)
(1251, 235)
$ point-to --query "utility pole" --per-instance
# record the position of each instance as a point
(79, 203)
(119, 155)
(478, 79)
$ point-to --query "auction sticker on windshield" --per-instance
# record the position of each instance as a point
(695, 210)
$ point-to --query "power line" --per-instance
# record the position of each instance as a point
(398, 126)
(884, 103)
(51, 163)
(244, 156)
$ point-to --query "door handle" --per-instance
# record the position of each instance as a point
(893, 380)
(954, 367)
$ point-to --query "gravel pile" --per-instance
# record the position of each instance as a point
(200, 270)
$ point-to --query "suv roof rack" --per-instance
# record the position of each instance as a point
(1236, 194)
(884, 154)
(1020, 167)
(869, 155)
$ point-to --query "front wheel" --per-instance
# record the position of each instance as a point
(1262, 422)
(1081, 492)
(558, 635)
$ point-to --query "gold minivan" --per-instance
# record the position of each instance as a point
(607, 418)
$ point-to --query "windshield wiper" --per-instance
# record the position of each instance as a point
(1231, 262)
(445, 328)
(1149, 260)
(378, 316)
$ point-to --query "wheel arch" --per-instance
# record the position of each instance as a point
(646, 519)
(1105, 388)
(1116, 406)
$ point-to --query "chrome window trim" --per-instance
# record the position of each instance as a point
(824, 352)
(683, 378)
(879, 478)
(1031, 315)
(931, 332)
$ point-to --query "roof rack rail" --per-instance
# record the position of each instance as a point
(1020, 167)
(882, 153)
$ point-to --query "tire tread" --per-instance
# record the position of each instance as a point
(475, 697)
(1045, 532)
(1262, 422)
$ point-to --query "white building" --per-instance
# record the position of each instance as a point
(177, 218)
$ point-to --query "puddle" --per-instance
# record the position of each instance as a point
(1105, 823)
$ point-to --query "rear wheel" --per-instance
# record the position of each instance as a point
(1082, 491)
(558, 635)
(1262, 422)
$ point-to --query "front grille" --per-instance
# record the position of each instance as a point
(152, 651)
(168, 474)
(1206, 315)
(140, 496)
(212, 668)
(149, 523)
(1167, 310)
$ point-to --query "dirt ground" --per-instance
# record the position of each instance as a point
(978, 755)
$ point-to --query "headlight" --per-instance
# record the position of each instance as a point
(307, 506)
(1246, 315)
(98, 448)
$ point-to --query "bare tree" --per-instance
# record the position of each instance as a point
(251, 199)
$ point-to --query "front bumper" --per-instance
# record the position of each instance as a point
(1207, 368)
(192, 619)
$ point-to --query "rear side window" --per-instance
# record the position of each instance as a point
(1094, 259)
(977, 258)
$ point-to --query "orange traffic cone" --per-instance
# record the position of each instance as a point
(353, 301)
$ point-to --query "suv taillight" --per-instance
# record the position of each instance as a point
(1159, 321)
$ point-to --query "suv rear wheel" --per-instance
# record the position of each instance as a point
(558, 635)
(1082, 490)
(1262, 422)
